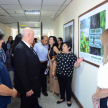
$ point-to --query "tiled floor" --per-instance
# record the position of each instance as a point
(45, 102)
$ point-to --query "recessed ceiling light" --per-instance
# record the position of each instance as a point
(32, 11)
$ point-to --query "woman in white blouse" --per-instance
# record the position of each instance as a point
(101, 95)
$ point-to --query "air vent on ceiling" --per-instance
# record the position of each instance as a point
(32, 11)
(2, 15)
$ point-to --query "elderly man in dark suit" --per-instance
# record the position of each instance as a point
(27, 68)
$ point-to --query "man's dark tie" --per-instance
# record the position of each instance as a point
(33, 50)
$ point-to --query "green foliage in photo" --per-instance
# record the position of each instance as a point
(103, 20)
(84, 44)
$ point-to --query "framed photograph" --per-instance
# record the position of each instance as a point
(69, 33)
(91, 25)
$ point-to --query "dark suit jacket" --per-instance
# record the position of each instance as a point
(27, 69)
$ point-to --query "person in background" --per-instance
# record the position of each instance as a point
(53, 51)
(27, 70)
(4, 46)
(6, 90)
(63, 67)
(100, 98)
(17, 40)
(41, 49)
(9, 60)
(8, 44)
(60, 43)
(34, 42)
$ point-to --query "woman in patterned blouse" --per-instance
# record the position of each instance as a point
(2, 53)
(64, 65)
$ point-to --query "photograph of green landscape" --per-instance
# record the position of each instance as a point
(91, 29)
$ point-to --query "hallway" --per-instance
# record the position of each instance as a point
(45, 102)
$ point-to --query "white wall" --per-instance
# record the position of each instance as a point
(8, 31)
(85, 78)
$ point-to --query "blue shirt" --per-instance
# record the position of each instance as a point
(4, 79)
(2, 56)
(42, 51)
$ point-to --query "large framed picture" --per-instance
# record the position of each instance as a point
(91, 25)
(69, 33)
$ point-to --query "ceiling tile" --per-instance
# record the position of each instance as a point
(50, 8)
(31, 7)
(33, 18)
(18, 15)
(46, 19)
(5, 17)
(58, 13)
(2, 12)
(9, 2)
(15, 11)
(31, 2)
(33, 15)
(11, 7)
(63, 7)
(53, 2)
(67, 2)
(23, 20)
(21, 17)
(48, 13)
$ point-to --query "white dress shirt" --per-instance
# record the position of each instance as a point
(26, 43)
(103, 76)
(42, 51)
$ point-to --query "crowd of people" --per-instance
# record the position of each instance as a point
(24, 65)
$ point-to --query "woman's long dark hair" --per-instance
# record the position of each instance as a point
(55, 40)
(8, 38)
(61, 43)
(17, 40)
(61, 40)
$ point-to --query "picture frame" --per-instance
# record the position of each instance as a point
(68, 29)
(91, 24)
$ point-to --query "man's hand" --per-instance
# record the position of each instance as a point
(14, 93)
(29, 93)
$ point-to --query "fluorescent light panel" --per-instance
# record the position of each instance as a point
(32, 11)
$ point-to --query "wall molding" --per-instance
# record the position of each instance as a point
(77, 101)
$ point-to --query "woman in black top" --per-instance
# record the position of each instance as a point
(60, 43)
(9, 42)
(53, 51)
(64, 65)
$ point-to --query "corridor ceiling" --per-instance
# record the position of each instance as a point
(12, 11)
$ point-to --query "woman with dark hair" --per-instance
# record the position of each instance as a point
(60, 43)
(63, 67)
(53, 51)
(17, 40)
(9, 60)
(8, 44)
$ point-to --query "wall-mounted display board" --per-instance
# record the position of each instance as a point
(91, 25)
(69, 33)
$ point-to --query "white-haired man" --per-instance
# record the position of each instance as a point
(27, 70)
